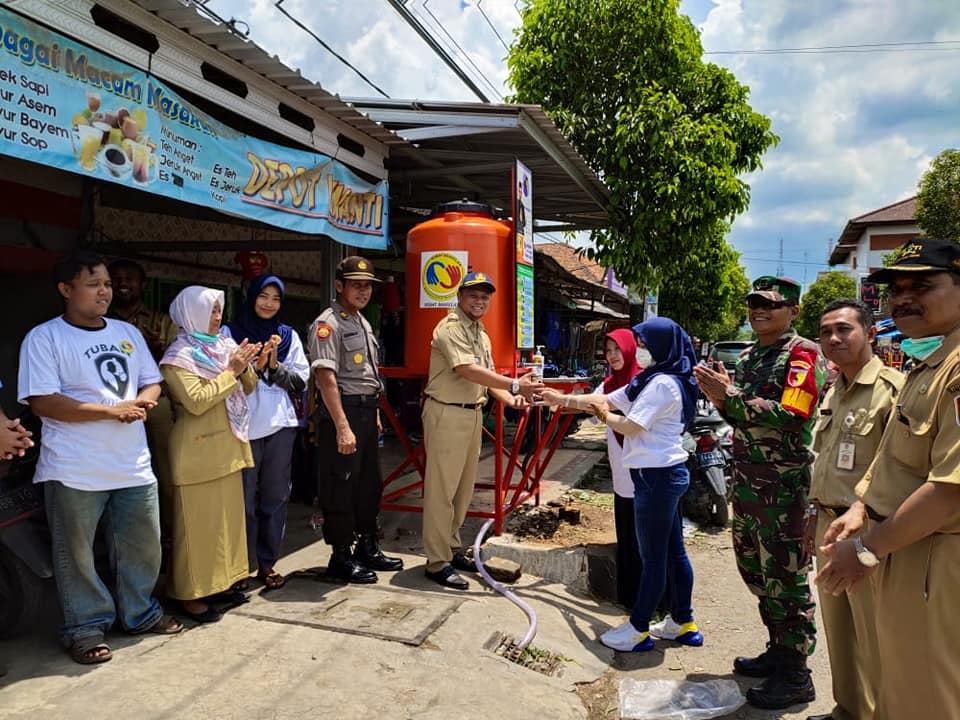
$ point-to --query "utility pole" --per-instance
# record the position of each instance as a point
(780, 272)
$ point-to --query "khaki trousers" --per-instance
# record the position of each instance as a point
(451, 437)
(918, 632)
(850, 626)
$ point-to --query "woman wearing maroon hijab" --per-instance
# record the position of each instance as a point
(620, 350)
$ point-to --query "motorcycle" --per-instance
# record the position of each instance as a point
(26, 560)
(708, 441)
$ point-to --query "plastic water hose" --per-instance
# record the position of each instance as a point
(508, 594)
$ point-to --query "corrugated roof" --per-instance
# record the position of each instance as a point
(225, 40)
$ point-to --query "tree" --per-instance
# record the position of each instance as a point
(669, 134)
(706, 292)
(831, 286)
(938, 202)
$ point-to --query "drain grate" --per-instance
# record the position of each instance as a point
(532, 658)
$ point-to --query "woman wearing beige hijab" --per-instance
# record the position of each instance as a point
(208, 377)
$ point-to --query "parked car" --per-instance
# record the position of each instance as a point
(727, 352)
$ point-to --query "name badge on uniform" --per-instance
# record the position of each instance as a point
(846, 452)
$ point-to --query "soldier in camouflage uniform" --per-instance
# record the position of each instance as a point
(772, 406)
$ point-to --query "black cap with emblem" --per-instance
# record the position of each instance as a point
(923, 255)
(356, 268)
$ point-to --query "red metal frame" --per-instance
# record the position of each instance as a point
(509, 490)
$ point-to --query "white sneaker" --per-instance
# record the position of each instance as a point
(626, 638)
(685, 634)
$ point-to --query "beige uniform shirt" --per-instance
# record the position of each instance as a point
(457, 340)
(346, 344)
(155, 326)
(852, 418)
(921, 442)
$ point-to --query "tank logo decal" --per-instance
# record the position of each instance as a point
(440, 276)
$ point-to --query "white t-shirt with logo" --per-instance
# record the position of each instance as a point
(271, 408)
(105, 366)
(658, 409)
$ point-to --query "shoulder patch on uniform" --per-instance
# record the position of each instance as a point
(800, 389)
(323, 330)
(343, 314)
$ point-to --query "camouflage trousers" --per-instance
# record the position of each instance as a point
(769, 503)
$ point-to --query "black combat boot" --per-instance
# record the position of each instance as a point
(343, 566)
(790, 683)
(760, 666)
(369, 554)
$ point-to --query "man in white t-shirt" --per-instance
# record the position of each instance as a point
(92, 380)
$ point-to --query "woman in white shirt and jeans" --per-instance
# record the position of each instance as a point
(657, 405)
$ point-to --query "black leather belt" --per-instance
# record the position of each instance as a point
(360, 400)
(874, 515)
(465, 406)
(833, 510)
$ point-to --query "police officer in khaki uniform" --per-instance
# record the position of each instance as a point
(461, 371)
(343, 352)
(907, 527)
(852, 417)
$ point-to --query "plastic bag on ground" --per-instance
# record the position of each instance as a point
(678, 700)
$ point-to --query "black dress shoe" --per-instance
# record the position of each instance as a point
(827, 716)
(462, 562)
(343, 566)
(369, 554)
(448, 577)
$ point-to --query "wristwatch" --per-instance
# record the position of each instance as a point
(866, 556)
(514, 387)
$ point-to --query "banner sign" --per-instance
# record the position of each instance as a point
(65, 105)
(523, 213)
(525, 339)
(440, 276)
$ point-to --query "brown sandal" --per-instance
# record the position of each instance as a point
(272, 580)
(166, 625)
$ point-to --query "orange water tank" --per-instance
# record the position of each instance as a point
(459, 237)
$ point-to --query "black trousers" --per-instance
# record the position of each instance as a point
(349, 486)
(629, 564)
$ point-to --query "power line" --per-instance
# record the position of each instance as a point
(459, 48)
(495, 32)
(917, 46)
(412, 20)
(329, 49)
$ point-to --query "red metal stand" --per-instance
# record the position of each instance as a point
(509, 490)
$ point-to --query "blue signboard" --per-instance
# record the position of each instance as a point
(65, 105)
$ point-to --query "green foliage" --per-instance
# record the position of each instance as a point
(938, 202)
(668, 133)
(832, 286)
(705, 292)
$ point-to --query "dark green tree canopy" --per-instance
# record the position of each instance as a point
(669, 134)
(938, 202)
(827, 288)
(706, 291)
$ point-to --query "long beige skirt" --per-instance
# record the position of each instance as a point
(209, 538)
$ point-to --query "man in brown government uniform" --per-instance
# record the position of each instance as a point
(906, 527)
(852, 418)
(129, 281)
(461, 371)
(344, 352)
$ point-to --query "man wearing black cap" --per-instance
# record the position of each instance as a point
(907, 526)
(461, 371)
(343, 351)
(772, 406)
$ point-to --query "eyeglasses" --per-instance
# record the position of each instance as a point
(755, 303)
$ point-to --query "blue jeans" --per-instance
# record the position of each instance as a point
(656, 496)
(266, 491)
(131, 524)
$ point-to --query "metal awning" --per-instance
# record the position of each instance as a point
(468, 150)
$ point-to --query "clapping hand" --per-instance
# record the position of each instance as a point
(268, 354)
(242, 357)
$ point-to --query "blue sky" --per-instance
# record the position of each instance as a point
(857, 128)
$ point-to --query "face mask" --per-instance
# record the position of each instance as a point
(644, 358)
(921, 348)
